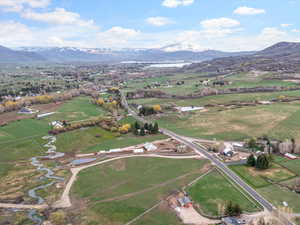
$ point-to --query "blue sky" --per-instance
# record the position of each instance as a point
(229, 25)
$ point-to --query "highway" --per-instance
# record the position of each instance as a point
(222, 166)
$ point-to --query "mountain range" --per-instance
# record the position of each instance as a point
(281, 57)
(69, 54)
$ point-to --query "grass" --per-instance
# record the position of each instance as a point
(148, 180)
(22, 139)
(278, 195)
(279, 121)
(257, 178)
(214, 190)
(79, 108)
(292, 165)
(159, 216)
(4, 168)
(219, 99)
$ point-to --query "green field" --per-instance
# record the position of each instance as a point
(292, 165)
(77, 109)
(272, 192)
(278, 121)
(278, 195)
(159, 216)
(87, 141)
(241, 80)
(128, 187)
(214, 190)
(257, 178)
(219, 99)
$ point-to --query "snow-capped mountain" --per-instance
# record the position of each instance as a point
(174, 52)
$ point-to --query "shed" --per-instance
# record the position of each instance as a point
(290, 156)
(150, 147)
(139, 150)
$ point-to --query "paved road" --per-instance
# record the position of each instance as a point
(222, 166)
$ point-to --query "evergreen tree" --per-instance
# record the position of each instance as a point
(137, 125)
(237, 210)
(136, 132)
(155, 128)
(142, 133)
(146, 126)
(151, 128)
(251, 161)
(229, 211)
(262, 162)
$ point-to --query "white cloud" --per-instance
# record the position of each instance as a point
(296, 30)
(159, 21)
(244, 10)
(19, 5)
(176, 3)
(116, 37)
(286, 25)
(219, 23)
(13, 34)
(59, 17)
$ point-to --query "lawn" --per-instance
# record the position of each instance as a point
(128, 187)
(257, 178)
(214, 190)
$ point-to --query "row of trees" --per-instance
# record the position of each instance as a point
(147, 110)
(262, 162)
(107, 124)
(233, 209)
(144, 129)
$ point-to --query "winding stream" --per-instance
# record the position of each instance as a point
(32, 193)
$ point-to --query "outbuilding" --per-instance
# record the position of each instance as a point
(150, 147)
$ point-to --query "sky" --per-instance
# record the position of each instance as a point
(227, 25)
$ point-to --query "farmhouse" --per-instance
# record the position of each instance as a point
(56, 124)
(228, 151)
(185, 202)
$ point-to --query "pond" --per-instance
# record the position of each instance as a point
(77, 162)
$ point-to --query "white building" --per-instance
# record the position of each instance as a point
(139, 150)
(150, 147)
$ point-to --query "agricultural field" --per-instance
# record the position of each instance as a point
(192, 81)
(128, 187)
(218, 99)
(214, 191)
(279, 121)
(95, 139)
